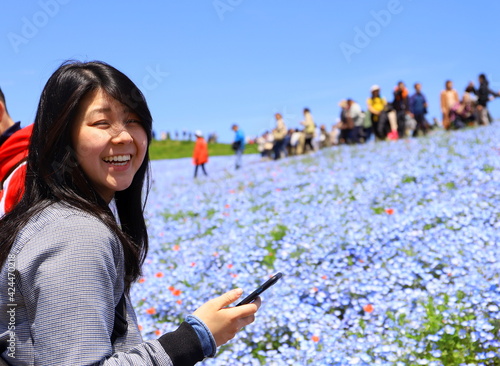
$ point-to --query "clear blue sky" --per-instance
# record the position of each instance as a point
(205, 64)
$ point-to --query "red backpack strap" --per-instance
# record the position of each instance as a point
(11, 171)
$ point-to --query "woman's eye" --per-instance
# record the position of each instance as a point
(101, 124)
(133, 121)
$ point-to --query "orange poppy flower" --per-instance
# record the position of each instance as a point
(368, 308)
(176, 292)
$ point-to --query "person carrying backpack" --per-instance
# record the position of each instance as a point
(14, 142)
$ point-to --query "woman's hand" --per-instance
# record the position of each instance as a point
(225, 322)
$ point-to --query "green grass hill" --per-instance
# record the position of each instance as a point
(175, 149)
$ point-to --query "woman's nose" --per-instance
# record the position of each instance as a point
(122, 137)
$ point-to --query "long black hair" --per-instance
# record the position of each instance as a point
(53, 174)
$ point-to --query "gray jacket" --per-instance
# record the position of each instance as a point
(64, 278)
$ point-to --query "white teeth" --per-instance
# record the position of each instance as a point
(117, 158)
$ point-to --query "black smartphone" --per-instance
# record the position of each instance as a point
(261, 289)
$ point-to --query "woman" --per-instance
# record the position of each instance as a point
(69, 263)
(377, 107)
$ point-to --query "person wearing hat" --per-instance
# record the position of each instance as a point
(200, 153)
(377, 108)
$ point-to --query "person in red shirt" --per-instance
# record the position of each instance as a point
(14, 142)
(200, 153)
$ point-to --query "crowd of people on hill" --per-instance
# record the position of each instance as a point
(405, 116)
(184, 135)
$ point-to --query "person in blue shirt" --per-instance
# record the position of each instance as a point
(418, 107)
(238, 144)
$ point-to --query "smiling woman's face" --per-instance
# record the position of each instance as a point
(110, 143)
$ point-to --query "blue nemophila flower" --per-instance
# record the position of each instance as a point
(410, 228)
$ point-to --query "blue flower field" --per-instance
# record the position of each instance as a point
(389, 250)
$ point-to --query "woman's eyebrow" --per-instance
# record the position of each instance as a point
(126, 110)
(99, 110)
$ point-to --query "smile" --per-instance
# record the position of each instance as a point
(117, 159)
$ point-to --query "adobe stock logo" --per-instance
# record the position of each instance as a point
(222, 7)
(494, 82)
(364, 35)
(153, 78)
(32, 25)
